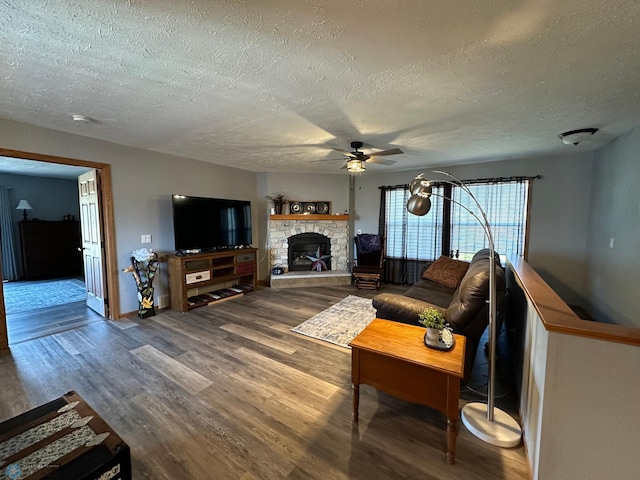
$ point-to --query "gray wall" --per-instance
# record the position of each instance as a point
(559, 211)
(143, 183)
(612, 273)
(51, 199)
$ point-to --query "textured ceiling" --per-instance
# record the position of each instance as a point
(274, 85)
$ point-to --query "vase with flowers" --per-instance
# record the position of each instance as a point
(278, 200)
(144, 264)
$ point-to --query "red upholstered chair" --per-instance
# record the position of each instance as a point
(367, 268)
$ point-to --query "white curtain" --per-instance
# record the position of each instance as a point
(9, 270)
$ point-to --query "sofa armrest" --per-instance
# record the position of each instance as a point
(400, 308)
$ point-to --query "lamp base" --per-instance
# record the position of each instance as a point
(504, 431)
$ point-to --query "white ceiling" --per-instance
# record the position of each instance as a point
(274, 85)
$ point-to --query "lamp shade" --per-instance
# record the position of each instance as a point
(24, 205)
(419, 204)
(420, 186)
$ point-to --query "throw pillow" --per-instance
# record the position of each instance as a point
(446, 271)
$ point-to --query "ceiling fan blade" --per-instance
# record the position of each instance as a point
(343, 151)
(393, 151)
(381, 161)
(330, 160)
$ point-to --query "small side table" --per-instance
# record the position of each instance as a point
(392, 357)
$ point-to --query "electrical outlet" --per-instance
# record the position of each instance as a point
(359, 232)
(145, 238)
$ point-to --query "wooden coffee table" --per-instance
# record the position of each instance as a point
(392, 357)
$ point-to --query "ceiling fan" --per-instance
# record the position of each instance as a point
(357, 159)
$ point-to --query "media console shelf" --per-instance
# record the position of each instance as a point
(205, 278)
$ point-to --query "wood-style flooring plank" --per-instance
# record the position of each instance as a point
(73, 342)
(259, 338)
(188, 379)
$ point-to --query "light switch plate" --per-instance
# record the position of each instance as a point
(145, 238)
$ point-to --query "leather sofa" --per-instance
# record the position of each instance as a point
(466, 306)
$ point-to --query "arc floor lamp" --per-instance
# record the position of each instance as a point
(485, 421)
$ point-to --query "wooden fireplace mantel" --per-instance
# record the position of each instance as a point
(309, 216)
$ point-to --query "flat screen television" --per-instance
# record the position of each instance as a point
(208, 224)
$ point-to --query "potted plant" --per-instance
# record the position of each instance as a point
(278, 199)
(434, 320)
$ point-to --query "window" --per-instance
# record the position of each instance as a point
(448, 228)
(505, 204)
(410, 236)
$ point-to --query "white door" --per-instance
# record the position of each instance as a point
(92, 241)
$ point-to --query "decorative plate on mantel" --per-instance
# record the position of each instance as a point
(322, 208)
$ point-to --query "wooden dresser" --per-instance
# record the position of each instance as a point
(50, 249)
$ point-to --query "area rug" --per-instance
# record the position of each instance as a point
(340, 323)
(26, 296)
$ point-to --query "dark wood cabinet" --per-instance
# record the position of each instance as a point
(50, 249)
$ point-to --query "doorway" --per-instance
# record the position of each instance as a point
(106, 206)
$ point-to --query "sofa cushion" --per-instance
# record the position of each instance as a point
(446, 271)
(406, 307)
(431, 292)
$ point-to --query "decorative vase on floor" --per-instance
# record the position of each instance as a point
(145, 301)
(144, 264)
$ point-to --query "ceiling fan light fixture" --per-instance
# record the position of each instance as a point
(574, 137)
(355, 166)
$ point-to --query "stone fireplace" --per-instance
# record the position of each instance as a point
(288, 230)
(305, 245)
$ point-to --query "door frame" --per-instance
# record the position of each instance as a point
(106, 202)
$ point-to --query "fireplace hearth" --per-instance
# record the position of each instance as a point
(305, 245)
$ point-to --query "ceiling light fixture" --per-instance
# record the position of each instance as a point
(80, 118)
(574, 137)
(355, 166)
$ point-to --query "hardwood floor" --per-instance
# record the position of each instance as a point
(228, 392)
(31, 324)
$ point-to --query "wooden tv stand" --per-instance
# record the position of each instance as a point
(196, 280)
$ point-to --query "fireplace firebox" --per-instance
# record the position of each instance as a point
(306, 245)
